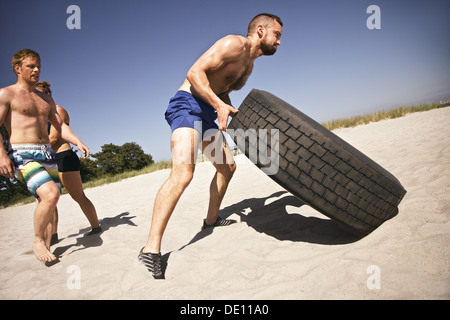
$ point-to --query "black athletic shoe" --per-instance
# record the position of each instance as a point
(94, 231)
(219, 223)
(152, 261)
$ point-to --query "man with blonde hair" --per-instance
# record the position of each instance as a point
(25, 112)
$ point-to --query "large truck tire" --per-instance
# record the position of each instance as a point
(314, 164)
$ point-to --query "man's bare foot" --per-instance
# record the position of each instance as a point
(41, 252)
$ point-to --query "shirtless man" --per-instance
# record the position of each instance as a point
(25, 111)
(201, 99)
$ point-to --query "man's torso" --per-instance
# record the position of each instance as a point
(231, 76)
(28, 116)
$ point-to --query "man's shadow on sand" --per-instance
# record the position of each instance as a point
(274, 220)
(84, 241)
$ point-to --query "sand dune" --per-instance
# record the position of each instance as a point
(280, 249)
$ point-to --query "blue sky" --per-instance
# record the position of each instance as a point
(117, 73)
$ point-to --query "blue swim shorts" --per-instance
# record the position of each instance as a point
(35, 165)
(186, 110)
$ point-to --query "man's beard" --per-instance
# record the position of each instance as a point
(268, 50)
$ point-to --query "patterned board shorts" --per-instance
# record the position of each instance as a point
(35, 165)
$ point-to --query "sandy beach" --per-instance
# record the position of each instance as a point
(279, 249)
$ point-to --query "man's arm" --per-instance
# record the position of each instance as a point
(7, 168)
(65, 131)
(54, 134)
(224, 51)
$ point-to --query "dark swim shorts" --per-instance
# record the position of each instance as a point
(68, 161)
(186, 110)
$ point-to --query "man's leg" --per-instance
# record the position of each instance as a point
(55, 220)
(220, 155)
(48, 198)
(73, 184)
(184, 146)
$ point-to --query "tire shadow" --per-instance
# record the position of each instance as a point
(274, 220)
